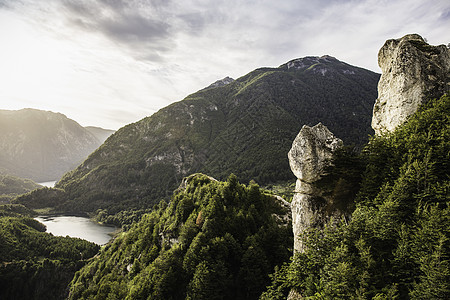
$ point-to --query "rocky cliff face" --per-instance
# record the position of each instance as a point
(311, 152)
(220, 83)
(412, 71)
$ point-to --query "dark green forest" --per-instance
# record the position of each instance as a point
(35, 264)
(397, 243)
(214, 240)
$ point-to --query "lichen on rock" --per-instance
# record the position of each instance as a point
(412, 71)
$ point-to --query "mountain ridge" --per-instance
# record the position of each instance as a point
(244, 127)
(42, 145)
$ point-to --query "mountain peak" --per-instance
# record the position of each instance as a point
(308, 61)
(319, 65)
(227, 128)
(220, 82)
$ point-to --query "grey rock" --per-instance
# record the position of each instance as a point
(412, 71)
(310, 154)
(310, 151)
(220, 83)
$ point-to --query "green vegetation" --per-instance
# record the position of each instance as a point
(245, 127)
(35, 264)
(124, 218)
(397, 243)
(220, 240)
(282, 189)
(214, 240)
(11, 187)
(15, 210)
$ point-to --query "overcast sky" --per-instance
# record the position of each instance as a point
(109, 63)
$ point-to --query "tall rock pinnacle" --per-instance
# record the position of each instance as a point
(412, 71)
(310, 154)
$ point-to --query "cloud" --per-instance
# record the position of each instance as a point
(141, 27)
(140, 55)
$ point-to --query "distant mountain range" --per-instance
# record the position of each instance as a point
(244, 126)
(42, 145)
(100, 133)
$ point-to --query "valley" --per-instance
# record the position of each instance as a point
(245, 127)
(292, 182)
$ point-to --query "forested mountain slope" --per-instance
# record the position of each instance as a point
(35, 264)
(397, 242)
(244, 126)
(11, 187)
(214, 240)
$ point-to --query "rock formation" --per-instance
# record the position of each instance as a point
(412, 71)
(310, 154)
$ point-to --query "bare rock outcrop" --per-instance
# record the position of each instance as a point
(310, 154)
(412, 71)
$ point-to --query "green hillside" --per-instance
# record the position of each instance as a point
(33, 263)
(397, 242)
(245, 127)
(11, 187)
(214, 240)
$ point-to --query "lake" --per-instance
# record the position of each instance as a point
(79, 227)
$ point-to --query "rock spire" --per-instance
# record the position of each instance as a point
(412, 71)
(310, 154)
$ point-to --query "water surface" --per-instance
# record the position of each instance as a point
(79, 227)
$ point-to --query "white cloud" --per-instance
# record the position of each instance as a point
(112, 62)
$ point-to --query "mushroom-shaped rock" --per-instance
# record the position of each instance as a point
(310, 154)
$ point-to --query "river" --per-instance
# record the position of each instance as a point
(79, 227)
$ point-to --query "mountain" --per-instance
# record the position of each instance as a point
(244, 127)
(11, 187)
(219, 83)
(42, 145)
(100, 133)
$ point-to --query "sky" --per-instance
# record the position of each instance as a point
(109, 63)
